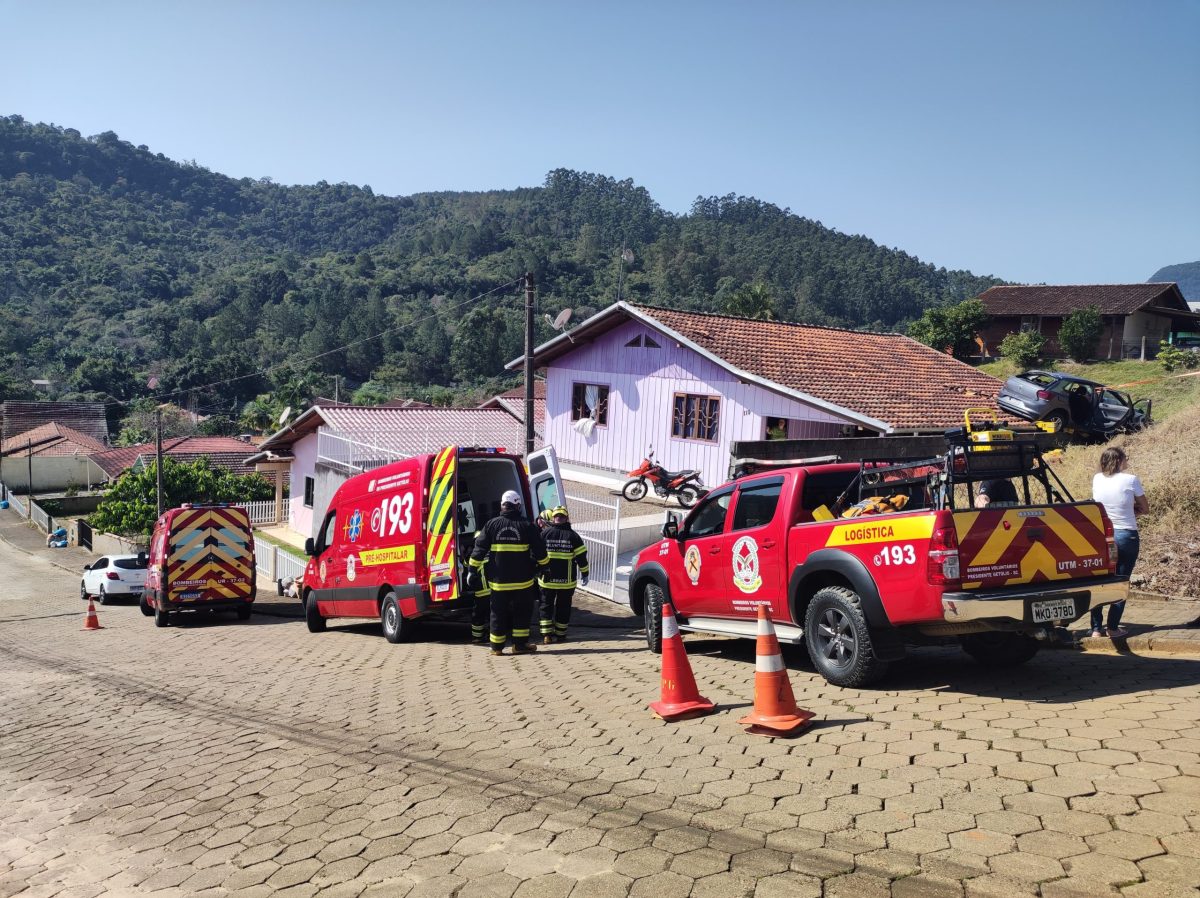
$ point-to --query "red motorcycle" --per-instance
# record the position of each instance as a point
(685, 486)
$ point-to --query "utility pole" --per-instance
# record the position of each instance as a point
(528, 364)
(158, 460)
(29, 492)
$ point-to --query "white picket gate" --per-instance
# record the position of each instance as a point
(599, 525)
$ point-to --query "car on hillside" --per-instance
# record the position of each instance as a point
(1088, 409)
(114, 576)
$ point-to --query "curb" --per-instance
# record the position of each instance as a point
(1142, 646)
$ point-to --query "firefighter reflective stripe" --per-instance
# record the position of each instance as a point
(476, 562)
(509, 587)
(566, 556)
(520, 634)
(548, 585)
(498, 638)
(510, 547)
(546, 626)
(440, 519)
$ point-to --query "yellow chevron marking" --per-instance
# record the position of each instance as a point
(1069, 534)
(1038, 560)
(999, 540)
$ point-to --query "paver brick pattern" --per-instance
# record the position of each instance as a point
(217, 758)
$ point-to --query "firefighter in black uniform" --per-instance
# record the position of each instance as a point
(508, 553)
(566, 552)
(482, 606)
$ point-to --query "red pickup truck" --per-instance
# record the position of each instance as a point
(857, 561)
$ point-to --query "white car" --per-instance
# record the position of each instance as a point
(114, 576)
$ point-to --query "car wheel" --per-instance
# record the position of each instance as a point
(1000, 650)
(145, 606)
(655, 599)
(1058, 419)
(243, 612)
(312, 616)
(83, 593)
(103, 597)
(687, 496)
(634, 490)
(839, 640)
(161, 618)
(395, 627)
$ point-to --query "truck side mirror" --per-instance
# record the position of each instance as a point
(310, 547)
(671, 528)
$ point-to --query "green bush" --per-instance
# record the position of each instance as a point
(1023, 350)
(130, 507)
(1080, 332)
(951, 329)
(1172, 357)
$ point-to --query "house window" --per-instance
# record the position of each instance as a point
(696, 417)
(647, 341)
(310, 489)
(650, 344)
(1031, 324)
(589, 401)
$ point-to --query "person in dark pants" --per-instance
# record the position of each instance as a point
(1124, 501)
(567, 552)
(507, 556)
(481, 610)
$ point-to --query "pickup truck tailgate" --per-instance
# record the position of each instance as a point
(1030, 544)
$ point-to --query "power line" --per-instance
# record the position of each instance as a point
(292, 363)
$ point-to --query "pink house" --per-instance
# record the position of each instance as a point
(689, 384)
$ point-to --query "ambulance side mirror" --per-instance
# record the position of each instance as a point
(310, 547)
(671, 528)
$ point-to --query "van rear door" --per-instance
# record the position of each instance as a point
(1029, 544)
(440, 526)
(545, 481)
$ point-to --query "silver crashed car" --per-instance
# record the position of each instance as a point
(1088, 409)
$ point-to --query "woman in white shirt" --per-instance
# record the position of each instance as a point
(1124, 501)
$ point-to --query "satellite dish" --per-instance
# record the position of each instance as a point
(284, 416)
(561, 319)
(627, 256)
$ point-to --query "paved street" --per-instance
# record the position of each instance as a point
(221, 758)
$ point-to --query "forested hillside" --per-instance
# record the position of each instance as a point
(124, 273)
(1186, 275)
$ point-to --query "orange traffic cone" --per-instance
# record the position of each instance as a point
(775, 712)
(91, 622)
(680, 697)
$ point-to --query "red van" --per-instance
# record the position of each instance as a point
(394, 542)
(201, 556)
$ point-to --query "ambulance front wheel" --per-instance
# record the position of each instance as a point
(146, 608)
(312, 617)
(395, 627)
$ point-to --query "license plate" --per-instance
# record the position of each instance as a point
(1059, 609)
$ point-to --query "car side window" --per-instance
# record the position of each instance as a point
(709, 518)
(100, 565)
(756, 504)
(328, 531)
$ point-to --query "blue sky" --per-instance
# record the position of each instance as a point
(1052, 141)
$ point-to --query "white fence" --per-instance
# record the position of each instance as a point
(18, 506)
(261, 513)
(41, 518)
(275, 563)
(353, 455)
(599, 525)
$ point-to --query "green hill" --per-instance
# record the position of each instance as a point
(121, 269)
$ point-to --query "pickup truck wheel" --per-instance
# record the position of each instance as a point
(312, 617)
(161, 618)
(146, 608)
(243, 612)
(1000, 649)
(653, 615)
(839, 640)
(395, 627)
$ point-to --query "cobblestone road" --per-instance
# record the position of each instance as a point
(219, 758)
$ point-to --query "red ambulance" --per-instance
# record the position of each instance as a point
(394, 542)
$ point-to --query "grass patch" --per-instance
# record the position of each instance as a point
(260, 536)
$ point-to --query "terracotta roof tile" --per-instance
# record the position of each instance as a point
(223, 452)
(51, 439)
(888, 377)
(1110, 299)
(83, 417)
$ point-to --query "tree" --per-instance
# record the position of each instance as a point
(131, 505)
(1080, 332)
(139, 424)
(753, 301)
(1024, 349)
(951, 329)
